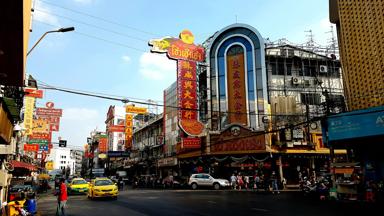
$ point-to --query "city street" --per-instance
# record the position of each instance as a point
(203, 202)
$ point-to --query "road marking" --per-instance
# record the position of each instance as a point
(260, 209)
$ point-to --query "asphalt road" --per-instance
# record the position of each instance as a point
(205, 202)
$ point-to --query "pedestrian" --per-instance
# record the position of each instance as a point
(256, 183)
(61, 198)
(233, 181)
(275, 187)
(240, 181)
(246, 182)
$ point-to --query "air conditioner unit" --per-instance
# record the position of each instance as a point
(296, 81)
(323, 69)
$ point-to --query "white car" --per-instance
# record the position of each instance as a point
(206, 180)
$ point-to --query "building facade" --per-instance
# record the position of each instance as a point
(77, 156)
(62, 160)
(115, 128)
(360, 27)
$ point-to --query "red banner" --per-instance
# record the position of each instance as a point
(103, 145)
(31, 147)
(241, 144)
(116, 128)
(180, 50)
(186, 81)
(32, 92)
(48, 112)
(191, 143)
(40, 136)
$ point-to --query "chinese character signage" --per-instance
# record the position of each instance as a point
(187, 54)
(128, 131)
(31, 147)
(190, 143)
(103, 147)
(40, 126)
(29, 103)
(236, 89)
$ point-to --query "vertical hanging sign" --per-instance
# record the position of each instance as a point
(186, 54)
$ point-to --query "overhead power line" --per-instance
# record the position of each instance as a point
(97, 38)
(94, 26)
(99, 18)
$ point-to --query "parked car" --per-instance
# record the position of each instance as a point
(206, 180)
(102, 187)
(19, 192)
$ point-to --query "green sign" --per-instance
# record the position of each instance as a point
(38, 141)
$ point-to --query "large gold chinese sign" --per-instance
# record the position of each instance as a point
(236, 89)
(187, 54)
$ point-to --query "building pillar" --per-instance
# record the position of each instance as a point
(280, 162)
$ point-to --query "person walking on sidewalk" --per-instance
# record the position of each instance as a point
(61, 198)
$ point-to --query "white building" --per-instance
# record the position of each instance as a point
(115, 116)
(61, 158)
(77, 156)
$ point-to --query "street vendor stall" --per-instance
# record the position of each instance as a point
(347, 180)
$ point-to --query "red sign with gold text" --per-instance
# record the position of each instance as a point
(187, 54)
(40, 136)
(32, 92)
(31, 147)
(241, 144)
(191, 143)
(236, 89)
(103, 144)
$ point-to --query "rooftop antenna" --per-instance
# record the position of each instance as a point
(311, 41)
(332, 47)
(235, 18)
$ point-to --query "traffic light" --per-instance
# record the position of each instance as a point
(63, 143)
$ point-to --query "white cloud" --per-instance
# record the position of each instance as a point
(126, 58)
(157, 66)
(84, 1)
(44, 14)
(79, 114)
(77, 123)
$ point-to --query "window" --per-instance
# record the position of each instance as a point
(310, 98)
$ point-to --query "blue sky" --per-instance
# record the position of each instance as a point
(108, 52)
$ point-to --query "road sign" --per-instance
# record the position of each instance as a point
(63, 143)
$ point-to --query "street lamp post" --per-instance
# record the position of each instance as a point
(58, 30)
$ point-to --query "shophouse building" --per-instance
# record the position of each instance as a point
(360, 29)
(115, 123)
(15, 21)
(77, 156)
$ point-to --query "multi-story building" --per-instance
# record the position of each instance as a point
(62, 160)
(148, 146)
(77, 156)
(360, 29)
(13, 48)
(115, 128)
(360, 26)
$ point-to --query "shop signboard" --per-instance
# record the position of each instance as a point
(186, 53)
(29, 103)
(356, 124)
(116, 128)
(256, 142)
(170, 161)
(117, 154)
(41, 126)
(40, 111)
(134, 109)
(32, 92)
(49, 165)
(31, 147)
(191, 143)
(43, 147)
(103, 147)
(40, 136)
(38, 141)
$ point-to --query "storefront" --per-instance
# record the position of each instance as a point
(362, 134)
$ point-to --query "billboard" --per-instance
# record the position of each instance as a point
(32, 92)
(137, 110)
(186, 53)
(103, 144)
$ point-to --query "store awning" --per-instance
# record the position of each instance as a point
(20, 164)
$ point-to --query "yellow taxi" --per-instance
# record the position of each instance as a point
(78, 186)
(102, 187)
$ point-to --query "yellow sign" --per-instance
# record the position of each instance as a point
(40, 126)
(29, 103)
(49, 165)
(138, 110)
(128, 117)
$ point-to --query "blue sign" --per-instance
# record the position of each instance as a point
(356, 124)
(43, 147)
(117, 154)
